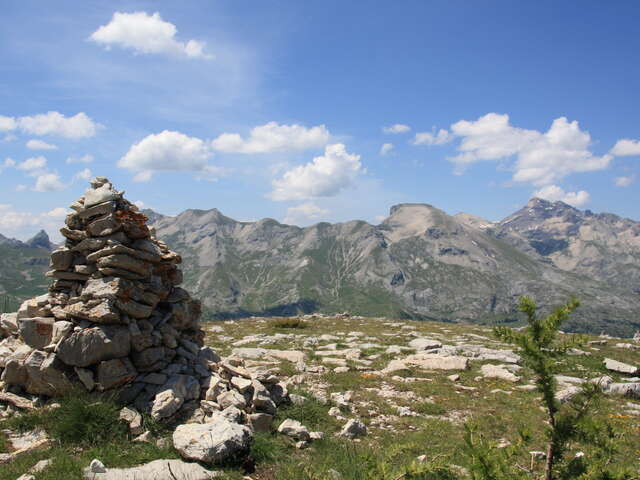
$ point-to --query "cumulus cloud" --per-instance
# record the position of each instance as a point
(33, 163)
(48, 182)
(554, 193)
(7, 123)
(24, 224)
(35, 144)
(626, 147)
(397, 128)
(166, 151)
(7, 163)
(83, 174)
(273, 137)
(440, 137)
(541, 158)
(55, 123)
(325, 176)
(82, 159)
(625, 181)
(386, 148)
(304, 214)
(146, 34)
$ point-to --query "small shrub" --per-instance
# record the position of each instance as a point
(288, 322)
(80, 421)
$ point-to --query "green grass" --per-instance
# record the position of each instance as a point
(288, 322)
(428, 408)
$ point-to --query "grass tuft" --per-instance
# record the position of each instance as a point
(288, 322)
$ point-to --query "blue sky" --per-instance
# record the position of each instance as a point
(281, 108)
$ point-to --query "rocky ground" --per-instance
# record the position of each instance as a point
(369, 398)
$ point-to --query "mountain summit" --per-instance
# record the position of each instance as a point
(419, 262)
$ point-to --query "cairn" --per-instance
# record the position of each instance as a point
(116, 319)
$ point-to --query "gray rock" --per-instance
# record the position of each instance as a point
(36, 332)
(619, 367)
(92, 345)
(424, 344)
(133, 419)
(212, 442)
(173, 394)
(115, 373)
(156, 470)
(353, 429)
(227, 399)
(260, 422)
(294, 429)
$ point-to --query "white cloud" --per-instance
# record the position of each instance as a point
(144, 33)
(82, 159)
(83, 174)
(166, 151)
(397, 128)
(554, 193)
(48, 182)
(626, 147)
(7, 163)
(35, 144)
(59, 212)
(386, 148)
(139, 203)
(7, 123)
(325, 176)
(55, 123)
(24, 224)
(541, 158)
(33, 163)
(432, 138)
(304, 214)
(21, 188)
(9, 138)
(625, 181)
(273, 137)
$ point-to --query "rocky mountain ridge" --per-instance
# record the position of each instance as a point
(418, 263)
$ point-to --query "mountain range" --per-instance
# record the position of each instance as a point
(418, 263)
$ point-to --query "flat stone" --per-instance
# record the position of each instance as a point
(115, 373)
(92, 345)
(36, 332)
(619, 367)
(212, 442)
(424, 344)
(156, 470)
(294, 429)
(498, 371)
(428, 361)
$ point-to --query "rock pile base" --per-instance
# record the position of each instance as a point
(115, 318)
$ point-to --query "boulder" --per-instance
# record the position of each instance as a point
(45, 375)
(90, 346)
(115, 373)
(353, 429)
(36, 332)
(173, 394)
(294, 429)
(619, 367)
(498, 371)
(212, 442)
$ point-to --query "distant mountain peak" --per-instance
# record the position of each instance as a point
(40, 240)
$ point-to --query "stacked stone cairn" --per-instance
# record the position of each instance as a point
(115, 319)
